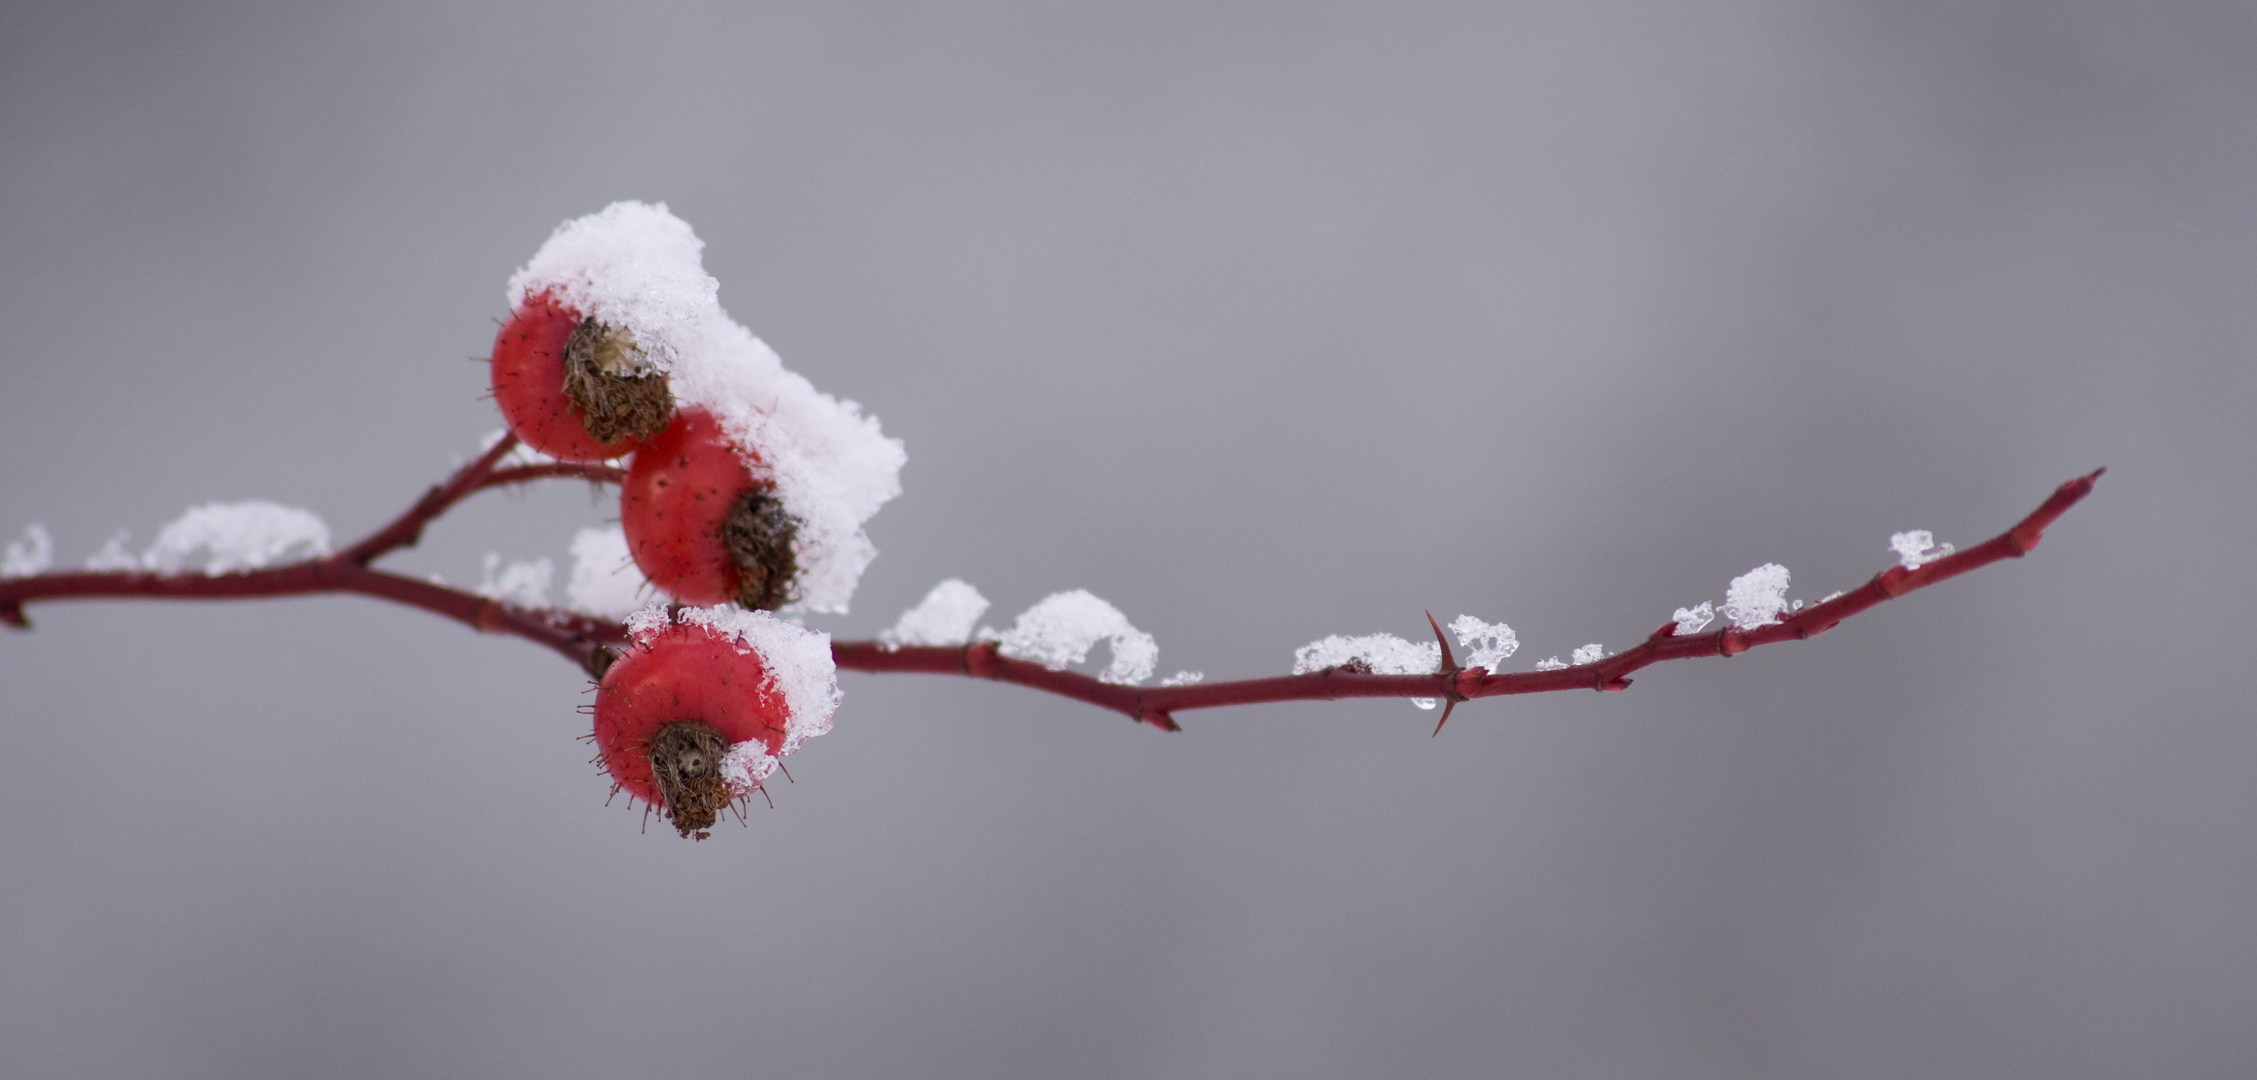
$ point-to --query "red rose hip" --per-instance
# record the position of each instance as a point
(698, 523)
(669, 710)
(573, 388)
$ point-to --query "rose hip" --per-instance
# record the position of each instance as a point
(573, 388)
(671, 707)
(700, 525)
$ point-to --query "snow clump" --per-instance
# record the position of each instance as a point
(1184, 678)
(605, 582)
(1061, 629)
(1694, 619)
(523, 583)
(1381, 654)
(637, 267)
(945, 616)
(237, 536)
(112, 555)
(1551, 663)
(29, 555)
(1490, 643)
(798, 661)
(1917, 548)
(1757, 597)
(1588, 654)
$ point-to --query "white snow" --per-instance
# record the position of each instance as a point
(237, 537)
(112, 555)
(945, 616)
(636, 266)
(1184, 678)
(524, 582)
(745, 766)
(1588, 654)
(28, 555)
(1917, 548)
(798, 662)
(605, 582)
(1694, 619)
(1550, 663)
(1757, 597)
(1061, 629)
(1490, 643)
(1384, 654)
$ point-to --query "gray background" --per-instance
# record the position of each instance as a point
(1263, 322)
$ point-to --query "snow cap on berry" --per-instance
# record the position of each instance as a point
(637, 266)
(798, 660)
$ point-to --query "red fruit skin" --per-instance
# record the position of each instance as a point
(679, 489)
(529, 384)
(682, 673)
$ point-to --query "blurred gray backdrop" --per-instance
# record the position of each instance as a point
(1263, 322)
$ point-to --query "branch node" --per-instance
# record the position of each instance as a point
(1616, 684)
(980, 660)
(1890, 582)
(1729, 642)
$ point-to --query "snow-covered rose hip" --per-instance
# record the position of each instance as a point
(575, 388)
(694, 714)
(701, 525)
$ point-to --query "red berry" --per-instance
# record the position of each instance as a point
(699, 525)
(669, 710)
(573, 388)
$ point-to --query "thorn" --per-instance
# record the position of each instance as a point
(1450, 668)
(1447, 705)
(12, 613)
(1159, 718)
(1449, 662)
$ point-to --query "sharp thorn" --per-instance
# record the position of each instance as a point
(1449, 662)
(1448, 705)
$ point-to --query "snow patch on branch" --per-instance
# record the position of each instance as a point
(1757, 597)
(1379, 654)
(30, 554)
(637, 267)
(524, 582)
(1694, 619)
(112, 555)
(1917, 548)
(1061, 629)
(945, 616)
(1490, 643)
(605, 582)
(236, 537)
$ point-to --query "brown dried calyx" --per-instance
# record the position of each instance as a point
(685, 760)
(610, 380)
(758, 535)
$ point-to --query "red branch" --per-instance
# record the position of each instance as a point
(585, 639)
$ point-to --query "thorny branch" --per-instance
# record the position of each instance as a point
(587, 640)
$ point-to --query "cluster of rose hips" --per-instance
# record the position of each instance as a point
(701, 525)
